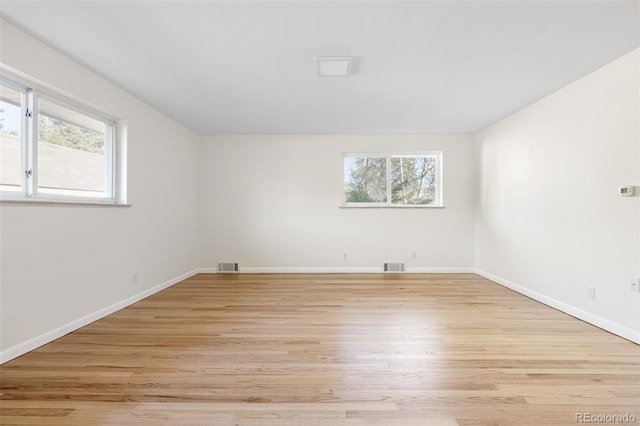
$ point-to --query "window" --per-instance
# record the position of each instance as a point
(54, 150)
(393, 180)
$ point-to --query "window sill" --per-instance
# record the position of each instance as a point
(50, 202)
(343, 206)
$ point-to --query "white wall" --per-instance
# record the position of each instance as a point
(272, 203)
(548, 220)
(62, 266)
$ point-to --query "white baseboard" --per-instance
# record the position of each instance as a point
(338, 270)
(441, 270)
(43, 339)
(603, 323)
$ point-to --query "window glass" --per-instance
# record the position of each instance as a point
(71, 152)
(365, 179)
(413, 180)
(11, 165)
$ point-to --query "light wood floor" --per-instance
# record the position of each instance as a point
(327, 350)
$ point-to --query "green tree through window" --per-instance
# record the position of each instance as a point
(365, 179)
(56, 132)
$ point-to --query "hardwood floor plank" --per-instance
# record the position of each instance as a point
(326, 349)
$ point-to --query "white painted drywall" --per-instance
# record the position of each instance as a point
(63, 263)
(548, 217)
(273, 203)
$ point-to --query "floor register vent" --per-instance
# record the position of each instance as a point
(394, 267)
(228, 267)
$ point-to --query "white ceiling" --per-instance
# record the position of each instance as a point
(421, 66)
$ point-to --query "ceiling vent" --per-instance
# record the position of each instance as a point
(333, 66)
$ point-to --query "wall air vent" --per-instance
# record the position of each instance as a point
(394, 267)
(228, 267)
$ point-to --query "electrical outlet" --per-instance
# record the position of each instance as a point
(345, 257)
(635, 285)
(414, 255)
(591, 293)
(135, 278)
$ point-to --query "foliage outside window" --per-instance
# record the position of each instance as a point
(393, 180)
(53, 150)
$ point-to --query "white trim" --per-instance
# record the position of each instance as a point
(120, 162)
(337, 270)
(454, 270)
(5, 198)
(346, 205)
(595, 320)
(30, 141)
(47, 89)
(309, 270)
(43, 339)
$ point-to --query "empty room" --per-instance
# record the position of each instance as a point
(319, 212)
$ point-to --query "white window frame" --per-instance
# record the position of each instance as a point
(31, 93)
(438, 201)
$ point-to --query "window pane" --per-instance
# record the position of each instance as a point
(11, 167)
(413, 180)
(365, 180)
(71, 152)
